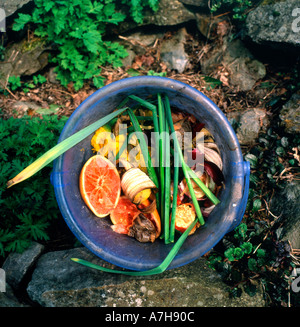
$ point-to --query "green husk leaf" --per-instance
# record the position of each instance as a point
(175, 192)
(184, 165)
(144, 148)
(202, 186)
(60, 148)
(158, 270)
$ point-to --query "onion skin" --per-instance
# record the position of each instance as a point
(214, 172)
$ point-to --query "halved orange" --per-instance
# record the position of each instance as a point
(100, 185)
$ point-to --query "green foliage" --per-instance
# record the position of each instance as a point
(211, 82)
(39, 79)
(238, 7)
(14, 82)
(76, 28)
(253, 249)
(136, 8)
(153, 73)
(26, 210)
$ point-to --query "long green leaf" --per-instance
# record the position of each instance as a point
(184, 165)
(154, 117)
(167, 189)
(60, 148)
(202, 186)
(161, 116)
(175, 192)
(158, 270)
(144, 148)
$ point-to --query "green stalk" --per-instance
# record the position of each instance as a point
(175, 192)
(167, 190)
(158, 270)
(162, 157)
(184, 165)
(202, 186)
(144, 148)
(60, 148)
(143, 102)
(153, 108)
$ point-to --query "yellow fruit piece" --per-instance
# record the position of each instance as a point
(101, 139)
(142, 196)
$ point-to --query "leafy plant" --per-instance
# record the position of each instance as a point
(14, 82)
(39, 79)
(211, 82)
(76, 28)
(238, 7)
(252, 255)
(27, 212)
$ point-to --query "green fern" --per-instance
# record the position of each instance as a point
(27, 212)
(76, 29)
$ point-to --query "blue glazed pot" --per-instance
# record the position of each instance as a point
(95, 233)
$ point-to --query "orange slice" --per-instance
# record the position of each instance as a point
(100, 185)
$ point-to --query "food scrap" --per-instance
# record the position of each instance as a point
(143, 200)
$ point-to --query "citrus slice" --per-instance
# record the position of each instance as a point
(100, 185)
(185, 215)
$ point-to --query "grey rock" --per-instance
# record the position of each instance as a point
(145, 39)
(17, 265)
(23, 58)
(173, 53)
(285, 204)
(290, 114)
(244, 71)
(196, 3)
(9, 300)
(136, 44)
(170, 12)
(21, 107)
(11, 6)
(209, 26)
(251, 123)
(274, 24)
(59, 282)
(52, 76)
(127, 61)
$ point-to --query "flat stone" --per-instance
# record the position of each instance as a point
(275, 24)
(244, 70)
(173, 53)
(285, 204)
(251, 123)
(196, 3)
(17, 265)
(170, 12)
(9, 300)
(11, 6)
(23, 59)
(59, 282)
(290, 114)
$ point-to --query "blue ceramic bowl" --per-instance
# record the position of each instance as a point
(96, 234)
